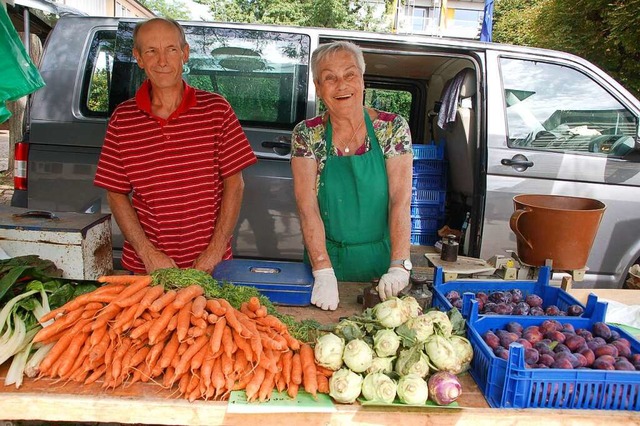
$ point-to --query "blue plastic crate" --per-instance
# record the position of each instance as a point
(424, 239)
(425, 224)
(428, 152)
(428, 196)
(550, 295)
(422, 210)
(429, 181)
(434, 167)
(510, 384)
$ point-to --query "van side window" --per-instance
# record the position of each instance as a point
(97, 77)
(396, 101)
(263, 74)
(555, 108)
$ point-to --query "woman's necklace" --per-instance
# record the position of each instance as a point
(346, 146)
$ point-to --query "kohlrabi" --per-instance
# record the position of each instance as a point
(379, 387)
(357, 355)
(412, 389)
(328, 351)
(389, 313)
(386, 343)
(345, 386)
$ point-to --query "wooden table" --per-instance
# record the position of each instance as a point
(147, 403)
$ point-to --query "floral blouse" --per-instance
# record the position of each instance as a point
(391, 130)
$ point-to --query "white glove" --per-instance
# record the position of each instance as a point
(325, 289)
(392, 282)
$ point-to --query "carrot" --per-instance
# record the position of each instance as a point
(83, 299)
(245, 378)
(212, 318)
(120, 352)
(287, 358)
(97, 336)
(261, 312)
(141, 330)
(152, 294)
(266, 387)
(296, 369)
(154, 355)
(92, 306)
(253, 387)
(207, 367)
(232, 319)
(227, 341)
(167, 377)
(280, 383)
(243, 345)
(169, 351)
(125, 318)
(199, 304)
(240, 362)
(96, 374)
(309, 373)
(52, 314)
(173, 322)
(126, 360)
(184, 317)
(292, 390)
(268, 361)
(323, 383)
(195, 392)
(161, 323)
(270, 343)
(185, 359)
(217, 378)
(183, 383)
(163, 301)
(227, 364)
(198, 322)
(196, 332)
(292, 342)
(135, 292)
(139, 356)
(198, 358)
(214, 306)
(216, 337)
(56, 351)
(256, 346)
(187, 294)
(273, 322)
(75, 360)
(59, 325)
(324, 371)
(244, 308)
(107, 314)
(253, 304)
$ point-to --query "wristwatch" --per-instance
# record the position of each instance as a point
(405, 263)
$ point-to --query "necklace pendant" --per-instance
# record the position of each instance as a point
(346, 150)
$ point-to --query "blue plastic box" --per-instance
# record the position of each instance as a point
(550, 295)
(284, 283)
(428, 151)
(509, 384)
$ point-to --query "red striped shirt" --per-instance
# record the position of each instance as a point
(174, 169)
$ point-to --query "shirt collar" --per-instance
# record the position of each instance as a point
(143, 100)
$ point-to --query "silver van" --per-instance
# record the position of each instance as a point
(523, 120)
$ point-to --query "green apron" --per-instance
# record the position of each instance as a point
(353, 197)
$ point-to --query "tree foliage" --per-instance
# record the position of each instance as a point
(175, 9)
(604, 32)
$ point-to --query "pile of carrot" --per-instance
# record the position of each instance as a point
(129, 330)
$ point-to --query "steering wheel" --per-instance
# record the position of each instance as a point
(622, 146)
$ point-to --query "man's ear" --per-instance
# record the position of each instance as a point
(138, 57)
(185, 53)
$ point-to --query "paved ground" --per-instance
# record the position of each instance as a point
(6, 180)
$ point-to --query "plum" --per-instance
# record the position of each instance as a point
(489, 307)
(575, 310)
(555, 336)
(503, 309)
(569, 356)
(531, 356)
(582, 360)
(562, 363)
(561, 347)
(480, 305)
(521, 308)
(491, 339)
(623, 341)
(525, 343)
(507, 339)
(550, 325)
(614, 336)
(536, 311)
(516, 295)
(514, 327)
(501, 352)
(481, 295)
(635, 358)
(589, 355)
(568, 327)
(546, 359)
(596, 342)
(601, 329)
(452, 295)
(497, 297)
(574, 342)
(584, 333)
(607, 349)
(457, 303)
(533, 300)
(532, 336)
(623, 350)
(623, 364)
(552, 310)
(603, 364)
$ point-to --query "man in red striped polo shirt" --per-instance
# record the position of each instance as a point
(179, 152)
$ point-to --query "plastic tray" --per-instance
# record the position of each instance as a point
(428, 152)
(429, 181)
(509, 384)
(424, 239)
(550, 295)
(426, 210)
(434, 167)
(428, 196)
(425, 224)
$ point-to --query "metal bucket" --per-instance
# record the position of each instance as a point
(555, 227)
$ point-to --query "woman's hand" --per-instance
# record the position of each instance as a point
(325, 289)
(391, 283)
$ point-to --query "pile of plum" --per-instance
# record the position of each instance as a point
(513, 302)
(556, 345)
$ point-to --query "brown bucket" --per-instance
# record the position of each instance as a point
(555, 227)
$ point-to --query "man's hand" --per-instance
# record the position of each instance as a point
(392, 282)
(325, 289)
(207, 260)
(155, 259)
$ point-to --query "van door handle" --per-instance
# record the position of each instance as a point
(519, 162)
(272, 144)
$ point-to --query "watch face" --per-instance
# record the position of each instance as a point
(407, 264)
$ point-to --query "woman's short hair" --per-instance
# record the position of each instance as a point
(325, 50)
(136, 29)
